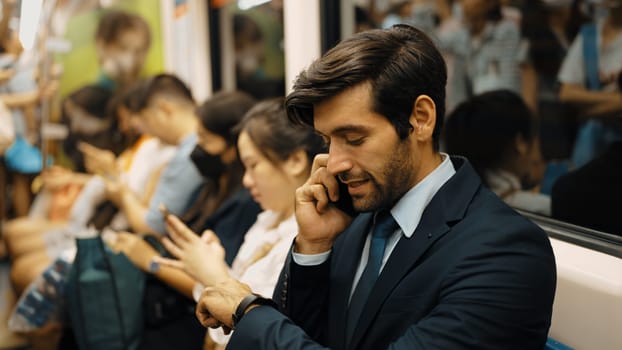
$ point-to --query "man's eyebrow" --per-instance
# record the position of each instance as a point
(341, 130)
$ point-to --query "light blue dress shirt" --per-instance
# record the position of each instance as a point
(177, 186)
(407, 213)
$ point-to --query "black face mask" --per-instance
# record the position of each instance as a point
(209, 166)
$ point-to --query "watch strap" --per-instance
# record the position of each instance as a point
(251, 299)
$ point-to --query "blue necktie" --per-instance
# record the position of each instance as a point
(384, 226)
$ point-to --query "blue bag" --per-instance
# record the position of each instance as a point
(104, 298)
(23, 157)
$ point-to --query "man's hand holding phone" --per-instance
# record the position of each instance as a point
(319, 219)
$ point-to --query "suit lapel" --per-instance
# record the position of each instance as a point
(447, 206)
(406, 254)
(342, 275)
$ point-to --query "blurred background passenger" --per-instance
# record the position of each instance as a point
(69, 202)
(162, 107)
(21, 90)
(258, 42)
(362, 20)
(486, 51)
(497, 133)
(400, 11)
(84, 113)
(589, 81)
(122, 41)
(549, 27)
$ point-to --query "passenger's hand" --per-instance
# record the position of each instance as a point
(6, 74)
(98, 161)
(217, 303)
(319, 221)
(135, 248)
(48, 90)
(56, 177)
(203, 258)
(115, 191)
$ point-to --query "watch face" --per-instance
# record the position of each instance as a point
(154, 266)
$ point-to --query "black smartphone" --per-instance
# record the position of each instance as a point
(344, 203)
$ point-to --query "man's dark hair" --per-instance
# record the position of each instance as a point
(165, 86)
(400, 63)
(484, 129)
(113, 23)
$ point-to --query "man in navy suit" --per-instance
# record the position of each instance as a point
(433, 261)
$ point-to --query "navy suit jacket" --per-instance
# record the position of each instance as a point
(474, 275)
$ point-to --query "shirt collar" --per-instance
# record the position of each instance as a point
(189, 140)
(409, 209)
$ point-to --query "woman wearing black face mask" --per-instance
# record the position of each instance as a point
(216, 158)
(222, 206)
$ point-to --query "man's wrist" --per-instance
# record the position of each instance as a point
(303, 246)
(248, 303)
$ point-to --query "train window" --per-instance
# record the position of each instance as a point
(562, 157)
(250, 46)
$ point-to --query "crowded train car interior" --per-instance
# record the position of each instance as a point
(115, 114)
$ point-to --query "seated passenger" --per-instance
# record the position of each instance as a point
(496, 132)
(163, 107)
(222, 206)
(57, 217)
(277, 156)
(589, 196)
(51, 229)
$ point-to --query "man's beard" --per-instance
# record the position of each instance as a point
(398, 174)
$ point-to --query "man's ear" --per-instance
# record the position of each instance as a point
(423, 118)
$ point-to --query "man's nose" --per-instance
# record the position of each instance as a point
(338, 160)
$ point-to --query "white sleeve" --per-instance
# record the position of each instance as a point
(572, 70)
(310, 259)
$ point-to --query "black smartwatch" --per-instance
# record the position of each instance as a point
(251, 299)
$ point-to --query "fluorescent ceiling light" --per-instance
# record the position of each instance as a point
(247, 4)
